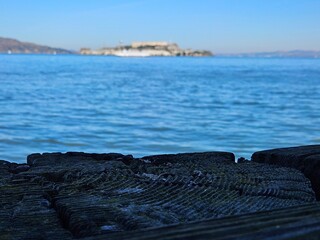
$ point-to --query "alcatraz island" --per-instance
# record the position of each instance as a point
(147, 49)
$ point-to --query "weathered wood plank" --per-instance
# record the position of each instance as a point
(304, 158)
(77, 195)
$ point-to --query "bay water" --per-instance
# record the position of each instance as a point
(156, 105)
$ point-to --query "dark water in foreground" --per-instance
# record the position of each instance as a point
(144, 106)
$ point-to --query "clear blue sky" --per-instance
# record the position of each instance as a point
(223, 26)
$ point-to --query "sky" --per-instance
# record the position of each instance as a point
(222, 26)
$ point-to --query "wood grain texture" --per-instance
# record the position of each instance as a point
(81, 195)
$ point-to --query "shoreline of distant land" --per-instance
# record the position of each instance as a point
(13, 46)
(137, 49)
(143, 49)
(275, 54)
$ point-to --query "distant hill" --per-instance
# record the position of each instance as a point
(278, 54)
(8, 45)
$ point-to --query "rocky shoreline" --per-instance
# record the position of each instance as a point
(174, 196)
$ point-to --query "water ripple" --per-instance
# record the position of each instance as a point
(156, 105)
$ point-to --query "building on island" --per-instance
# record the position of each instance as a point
(146, 49)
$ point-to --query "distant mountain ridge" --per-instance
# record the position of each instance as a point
(278, 54)
(9, 45)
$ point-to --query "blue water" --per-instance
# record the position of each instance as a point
(144, 106)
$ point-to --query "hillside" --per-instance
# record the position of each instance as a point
(8, 45)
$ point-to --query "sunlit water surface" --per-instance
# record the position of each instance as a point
(145, 106)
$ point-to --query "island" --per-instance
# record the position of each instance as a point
(147, 49)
